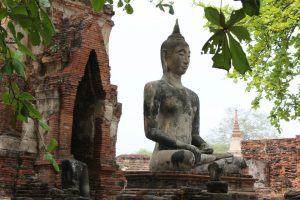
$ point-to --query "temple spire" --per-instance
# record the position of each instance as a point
(236, 137)
(236, 132)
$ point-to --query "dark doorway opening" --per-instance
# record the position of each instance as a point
(85, 120)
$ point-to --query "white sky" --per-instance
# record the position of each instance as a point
(135, 60)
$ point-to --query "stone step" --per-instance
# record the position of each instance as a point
(31, 198)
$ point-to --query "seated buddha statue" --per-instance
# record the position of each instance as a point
(171, 117)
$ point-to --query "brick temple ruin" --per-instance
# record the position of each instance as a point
(71, 81)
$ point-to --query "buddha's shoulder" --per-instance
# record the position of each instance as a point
(192, 94)
(153, 84)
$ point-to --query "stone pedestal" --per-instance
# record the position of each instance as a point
(158, 180)
(178, 185)
(217, 187)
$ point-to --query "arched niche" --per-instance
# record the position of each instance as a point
(86, 116)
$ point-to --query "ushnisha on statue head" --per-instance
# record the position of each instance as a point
(168, 46)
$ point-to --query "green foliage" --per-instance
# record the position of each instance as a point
(48, 156)
(143, 151)
(227, 35)
(220, 147)
(223, 43)
(251, 7)
(161, 5)
(53, 144)
(19, 18)
(274, 56)
(98, 5)
(31, 18)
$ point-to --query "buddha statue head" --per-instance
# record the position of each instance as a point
(169, 45)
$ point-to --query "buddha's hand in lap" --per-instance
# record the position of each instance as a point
(208, 150)
(196, 151)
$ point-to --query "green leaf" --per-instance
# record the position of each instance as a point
(46, 36)
(222, 20)
(20, 10)
(48, 156)
(24, 114)
(47, 31)
(160, 6)
(212, 15)
(129, 9)
(239, 60)
(33, 112)
(25, 22)
(7, 97)
(3, 13)
(44, 125)
(7, 68)
(240, 32)
(222, 57)
(120, 3)
(34, 37)
(19, 67)
(33, 8)
(47, 22)
(17, 55)
(55, 165)
(171, 10)
(12, 29)
(97, 4)
(25, 96)
(20, 36)
(25, 50)
(15, 88)
(10, 3)
(53, 144)
(251, 7)
(212, 43)
(236, 16)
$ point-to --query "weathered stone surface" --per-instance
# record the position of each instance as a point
(182, 193)
(76, 60)
(8, 142)
(217, 187)
(292, 194)
(29, 139)
(75, 176)
(133, 162)
(171, 116)
(156, 180)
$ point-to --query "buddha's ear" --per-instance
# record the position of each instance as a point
(164, 60)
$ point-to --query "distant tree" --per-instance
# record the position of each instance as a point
(220, 147)
(274, 57)
(253, 126)
(143, 151)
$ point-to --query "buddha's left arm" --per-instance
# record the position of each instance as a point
(196, 139)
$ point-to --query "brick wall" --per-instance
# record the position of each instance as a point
(54, 78)
(133, 162)
(281, 157)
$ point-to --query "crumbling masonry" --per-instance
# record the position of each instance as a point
(71, 81)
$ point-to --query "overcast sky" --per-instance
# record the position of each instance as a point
(134, 51)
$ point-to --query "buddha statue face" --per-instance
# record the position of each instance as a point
(175, 53)
(177, 60)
